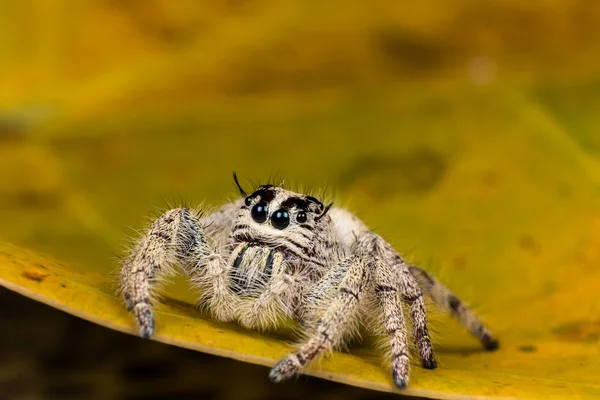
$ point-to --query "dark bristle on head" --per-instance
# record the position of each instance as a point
(265, 192)
(237, 183)
(314, 200)
(296, 202)
(324, 211)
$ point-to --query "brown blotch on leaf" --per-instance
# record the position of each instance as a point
(35, 274)
(583, 331)
(529, 244)
(490, 179)
(527, 348)
(416, 171)
(460, 261)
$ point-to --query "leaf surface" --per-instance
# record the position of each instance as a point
(470, 143)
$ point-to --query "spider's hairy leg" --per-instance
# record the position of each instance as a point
(413, 296)
(336, 321)
(445, 299)
(218, 223)
(319, 295)
(394, 284)
(168, 241)
(394, 324)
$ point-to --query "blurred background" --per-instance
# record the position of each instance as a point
(466, 132)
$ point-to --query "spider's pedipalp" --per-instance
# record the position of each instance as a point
(270, 294)
(209, 274)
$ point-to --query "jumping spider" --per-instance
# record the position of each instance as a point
(276, 254)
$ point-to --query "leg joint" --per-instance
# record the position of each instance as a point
(350, 292)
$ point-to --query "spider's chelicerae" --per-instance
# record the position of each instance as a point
(276, 254)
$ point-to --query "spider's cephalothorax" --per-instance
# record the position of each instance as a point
(276, 254)
(297, 226)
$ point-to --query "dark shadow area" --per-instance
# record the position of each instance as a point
(48, 354)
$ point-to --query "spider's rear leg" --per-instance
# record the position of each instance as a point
(445, 299)
(337, 320)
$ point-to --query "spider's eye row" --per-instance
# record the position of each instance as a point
(248, 201)
(301, 217)
(259, 212)
(280, 219)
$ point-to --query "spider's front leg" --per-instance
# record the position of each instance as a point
(394, 284)
(335, 322)
(332, 305)
(394, 277)
(175, 238)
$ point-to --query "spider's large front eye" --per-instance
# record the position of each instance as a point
(280, 219)
(259, 212)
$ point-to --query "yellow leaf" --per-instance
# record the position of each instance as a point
(495, 177)
(91, 296)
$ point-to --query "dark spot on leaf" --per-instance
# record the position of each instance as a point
(32, 198)
(490, 179)
(35, 274)
(582, 331)
(409, 53)
(527, 348)
(460, 261)
(12, 129)
(414, 172)
(529, 244)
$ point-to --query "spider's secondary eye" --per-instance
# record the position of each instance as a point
(259, 212)
(301, 217)
(280, 219)
(248, 201)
